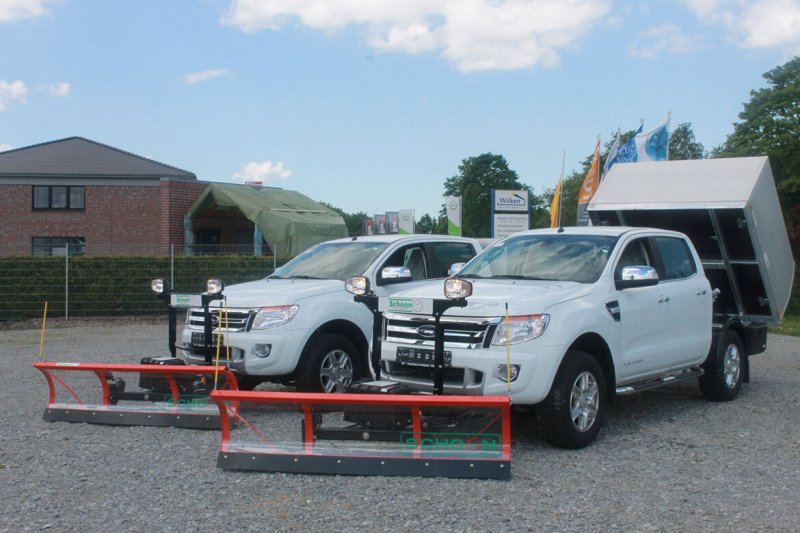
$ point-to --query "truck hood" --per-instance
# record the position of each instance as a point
(265, 292)
(489, 297)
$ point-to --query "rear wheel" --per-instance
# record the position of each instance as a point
(330, 363)
(724, 372)
(575, 408)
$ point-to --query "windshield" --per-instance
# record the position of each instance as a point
(556, 257)
(334, 260)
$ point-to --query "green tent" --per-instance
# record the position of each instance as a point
(289, 221)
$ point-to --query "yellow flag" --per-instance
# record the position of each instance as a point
(555, 206)
(592, 180)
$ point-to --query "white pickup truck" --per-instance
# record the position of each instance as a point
(300, 325)
(566, 319)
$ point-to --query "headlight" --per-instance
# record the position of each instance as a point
(520, 329)
(214, 286)
(157, 285)
(269, 317)
(457, 288)
(358, 285)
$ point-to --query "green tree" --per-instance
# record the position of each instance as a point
(770, 125)
(427, 224)
(682, 144)
(353, 221)
(476, 178)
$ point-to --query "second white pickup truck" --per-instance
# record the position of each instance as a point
(300, 325)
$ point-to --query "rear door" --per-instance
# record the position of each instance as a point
(689, 302)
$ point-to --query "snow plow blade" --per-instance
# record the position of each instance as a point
(366, 434)
(135, 395)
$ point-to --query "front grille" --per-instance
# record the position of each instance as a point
(459, 332)
(238, 319)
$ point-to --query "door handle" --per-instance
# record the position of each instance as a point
(663, 299)
(701, 292)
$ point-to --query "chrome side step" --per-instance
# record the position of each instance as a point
(658, 381)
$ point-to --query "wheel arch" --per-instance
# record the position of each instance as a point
(347, 329)
(596, 346)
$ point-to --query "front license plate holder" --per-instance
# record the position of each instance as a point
(413, 356)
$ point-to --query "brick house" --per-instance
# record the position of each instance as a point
(94, 198)
(82, 197)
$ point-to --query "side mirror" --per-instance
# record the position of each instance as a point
(395, 274)
(455, 268)
(636, 276)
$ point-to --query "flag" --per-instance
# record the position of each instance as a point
(627, 152)
(610, 160)
(653, 145)
(555, 207)
(589, 187)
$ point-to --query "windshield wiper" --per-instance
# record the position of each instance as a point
(303, 277)
(517, 276)
(469, 276)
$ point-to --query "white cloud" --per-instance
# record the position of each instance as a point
(472, 34)
(56, 89)
(205, 75)
(264, 171)
(21, 9)
(15, 91)
(665, 38)
(754, 23)
(5, 147)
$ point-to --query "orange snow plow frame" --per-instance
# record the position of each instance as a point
(313, 452)
(173, 410)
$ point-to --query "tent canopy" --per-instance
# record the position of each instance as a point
(290, 222)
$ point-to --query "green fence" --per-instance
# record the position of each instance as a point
(108, 286)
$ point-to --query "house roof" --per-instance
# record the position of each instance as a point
(78, 157)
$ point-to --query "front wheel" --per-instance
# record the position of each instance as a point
(329, 364)
(724, 371)
(575, 408)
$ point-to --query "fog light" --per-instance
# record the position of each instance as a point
(262, 350)
(508, 372)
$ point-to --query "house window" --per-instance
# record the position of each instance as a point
(58, 197)
(57, 245)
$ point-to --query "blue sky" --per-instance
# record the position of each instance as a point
(370, 105)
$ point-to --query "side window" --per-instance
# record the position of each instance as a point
(678, 262)
(412, 257)
(634, 254)
(448, 253)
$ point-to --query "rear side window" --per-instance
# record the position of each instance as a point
(678, 261)
(448, 253)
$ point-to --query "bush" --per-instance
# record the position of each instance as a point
(112, 286)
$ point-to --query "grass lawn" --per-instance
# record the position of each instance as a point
(790, 325)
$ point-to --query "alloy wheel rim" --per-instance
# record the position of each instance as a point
(336, 371)
(731, 366)
(584, 401)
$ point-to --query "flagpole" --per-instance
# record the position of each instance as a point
(561, 181)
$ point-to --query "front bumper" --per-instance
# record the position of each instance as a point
(244, 349)
(477, 372)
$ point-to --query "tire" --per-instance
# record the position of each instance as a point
(573, 412)
(329, 364)
(725, 370)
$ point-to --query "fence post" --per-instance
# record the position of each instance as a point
(66, 283)
(172, 265)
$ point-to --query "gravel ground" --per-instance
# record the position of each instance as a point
(667, 460)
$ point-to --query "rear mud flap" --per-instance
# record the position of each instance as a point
(366, 434)
(136, 395)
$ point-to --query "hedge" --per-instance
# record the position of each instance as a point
(111, 286)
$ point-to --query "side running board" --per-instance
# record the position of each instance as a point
(658, 381)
